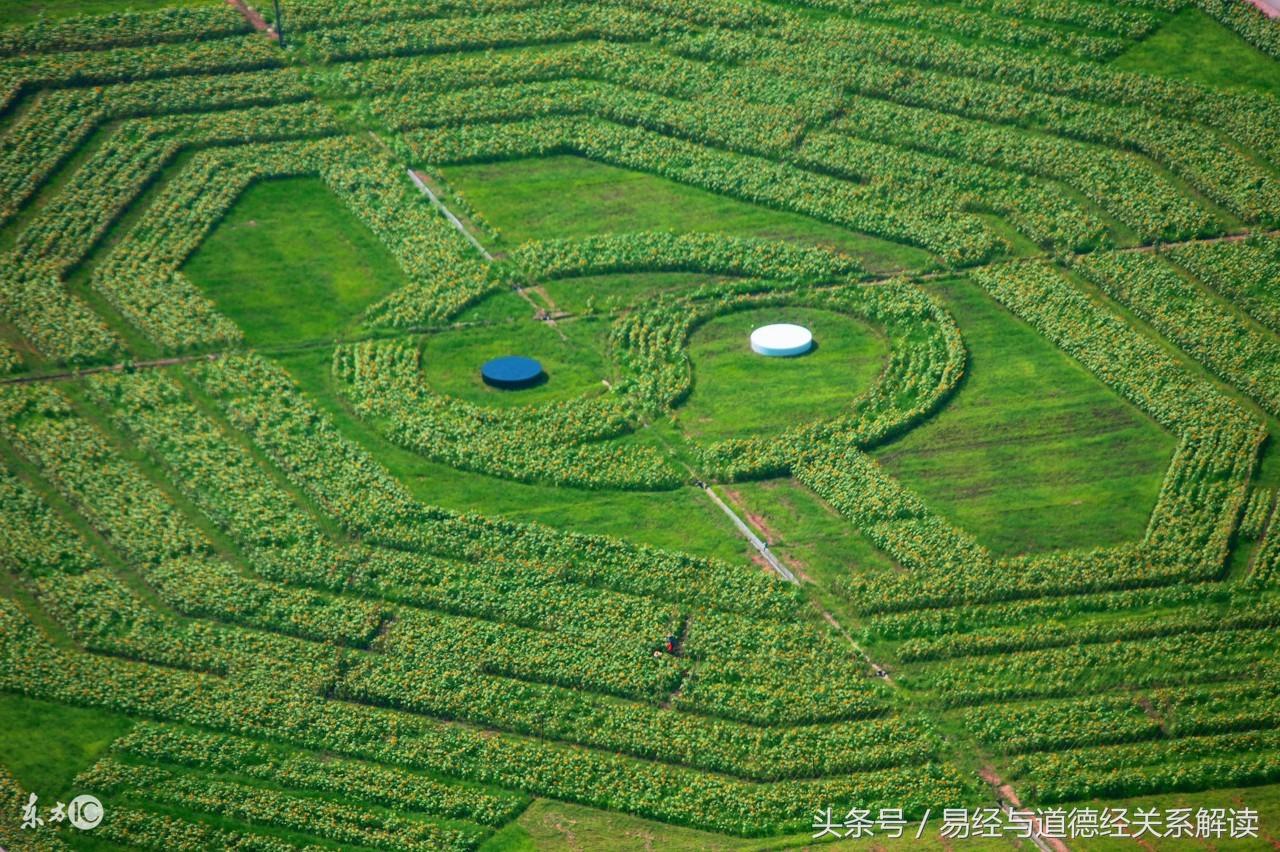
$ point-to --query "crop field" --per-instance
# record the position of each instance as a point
(280, 570)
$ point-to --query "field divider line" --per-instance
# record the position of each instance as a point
(448, 214)
(783, 571)
(71, 375)
(420, 182)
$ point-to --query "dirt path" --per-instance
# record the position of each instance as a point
(553, 310)
(1270, 8)
(421, 181)
(109, 368)
(670, 700)
(1008, 801)
(557, 824)
(747, 533)
(758, 521)
(876, 669)
(254, 17)
(765, 556)
(1229, 238)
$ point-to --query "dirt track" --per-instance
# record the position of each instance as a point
(1270, 8)
(254, 17)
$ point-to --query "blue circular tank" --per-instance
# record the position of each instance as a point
(511, 372)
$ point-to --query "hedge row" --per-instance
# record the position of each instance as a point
(1204, 327)
(332, 820)
(121, 29)
(1064, 672)
(1055, 634)
(348, 485)
(299, 770)
(29, 665)
(1242, 272)
(934, 623)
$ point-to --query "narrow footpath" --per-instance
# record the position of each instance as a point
(761, 546)
(254, 17)
(420, 181)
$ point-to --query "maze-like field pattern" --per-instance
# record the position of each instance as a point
(316, 657)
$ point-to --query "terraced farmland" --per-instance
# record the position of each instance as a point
(281, 571)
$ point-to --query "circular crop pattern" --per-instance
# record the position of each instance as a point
(926, 361)
(561, 442)
(572, 441)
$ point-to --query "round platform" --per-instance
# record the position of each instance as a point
(781, 340)
(511, 372)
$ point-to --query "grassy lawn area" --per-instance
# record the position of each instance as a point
(502, 306)
(46, 745)
(739, 394)
(566, 196)
(291, 263)
(1033, 453)
(15, 12)
(570, 354)
(1193, 46)
(262, 268)
(683, 519)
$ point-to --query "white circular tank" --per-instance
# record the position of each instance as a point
(781, 340)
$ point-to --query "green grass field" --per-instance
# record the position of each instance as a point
(1034, 453)
(291, 264)
(558, 197)
(738, 394)
(681, 519)
(502, 306)
(70, 739)
(1193, 46)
